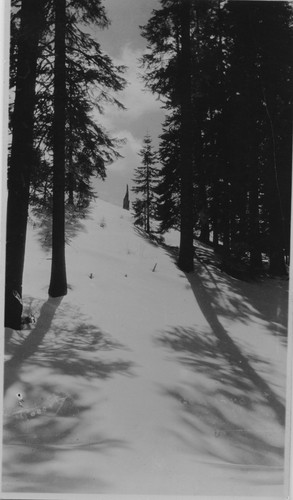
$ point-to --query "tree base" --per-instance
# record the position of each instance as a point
(13, 311)
(57, 292)
(185, 265)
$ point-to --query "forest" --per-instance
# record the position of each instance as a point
(222, 172)
(145, 345)
(223, 71)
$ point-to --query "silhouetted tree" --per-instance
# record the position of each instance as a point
(231, 102)
(145, 178)
(22, 155)
(58, 282)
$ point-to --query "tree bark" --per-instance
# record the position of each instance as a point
(58, 282)
(276, 251)
(255, 251)
(148, 198)
(21, 160)
(185, 261)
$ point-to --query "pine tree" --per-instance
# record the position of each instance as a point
(91, 80)
(22, 155)
(240, 118)
(185, 259)
(169, 34)
(88, 147)
(261, 76)
(58, 282)
(168, 187)
(145, 181)
(68, 59)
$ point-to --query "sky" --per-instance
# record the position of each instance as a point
(123, 43)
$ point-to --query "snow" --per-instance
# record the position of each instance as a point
(176, 384)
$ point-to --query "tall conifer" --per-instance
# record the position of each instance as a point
(145, 179)
(22, 155)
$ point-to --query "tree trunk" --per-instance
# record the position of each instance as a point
(58, 282)
(227, 220)
(255, 251)
(204, 212)
(148, 199)
(21, 159)
(185, 261)
(276, 252)
(276, 215)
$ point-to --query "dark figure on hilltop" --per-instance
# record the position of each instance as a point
(126, 199)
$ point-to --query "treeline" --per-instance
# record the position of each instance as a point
(223, 70)
(60, 79)
(224, 73)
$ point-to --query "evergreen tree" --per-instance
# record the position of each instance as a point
(77, 10)
(240, 120)
(145, 178)
(58, 282)
(169, 35)
(22, 155)
(88, 147)
(168, 187)
(185, 259)
(90, 79)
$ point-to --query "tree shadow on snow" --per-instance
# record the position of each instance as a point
(209, 285)
(58, 367)
(73, 224)
(230, 350)
(49, 454)
(224, 413)
(266, 299)
(72, 347)
(31, 343)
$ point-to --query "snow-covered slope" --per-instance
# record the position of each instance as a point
(142, 379)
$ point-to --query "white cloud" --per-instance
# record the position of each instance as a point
(137, 100)
(129, 151)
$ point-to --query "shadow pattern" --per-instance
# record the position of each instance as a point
(223, 415)
(65, 364)
(230, 350)
(41, 220)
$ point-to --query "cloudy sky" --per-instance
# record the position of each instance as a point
(123, 43)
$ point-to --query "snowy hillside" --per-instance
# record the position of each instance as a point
(143, 380)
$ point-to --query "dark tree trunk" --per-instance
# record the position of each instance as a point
(204, 232)
(276, 215)
(255, 251)
(227, 220)
(21, 159)
(204, 212)
(215, 209)
(58, 282)
(203, 209)
(185, 261)
(215, 234)
(148, 199)
(276, 252)
(70, 176)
